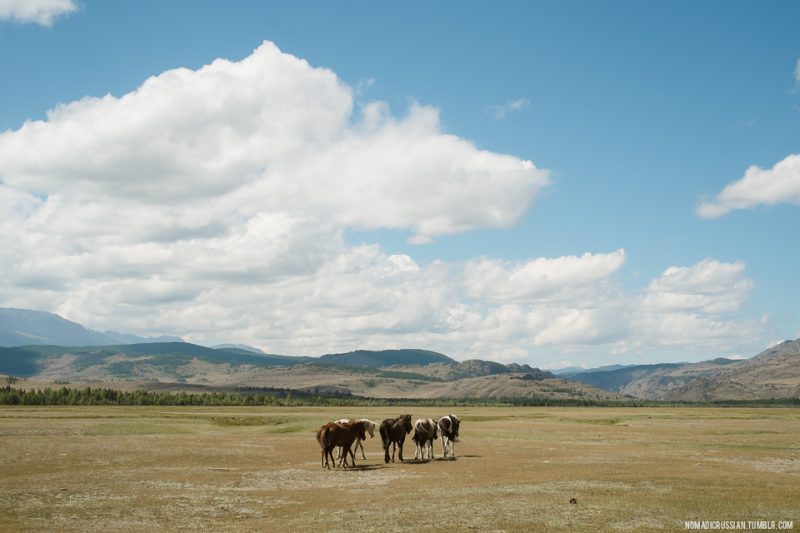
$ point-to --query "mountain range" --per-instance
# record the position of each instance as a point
(45, 348)
(385, 373)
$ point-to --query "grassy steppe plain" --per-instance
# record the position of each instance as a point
(195, 468)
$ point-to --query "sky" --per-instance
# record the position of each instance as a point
(552, 183)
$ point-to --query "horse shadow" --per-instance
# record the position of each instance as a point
(366, 467)
(457, 457)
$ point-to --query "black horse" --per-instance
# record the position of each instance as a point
(394, 431)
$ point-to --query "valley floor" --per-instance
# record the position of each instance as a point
(191, 468)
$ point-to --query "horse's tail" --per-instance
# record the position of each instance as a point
(322, 437)
(384, 436)
(386, 441)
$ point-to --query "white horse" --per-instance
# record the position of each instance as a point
(369, 425)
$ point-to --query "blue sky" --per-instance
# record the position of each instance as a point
(636, 114)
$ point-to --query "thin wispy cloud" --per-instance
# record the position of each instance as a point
(364, 85)
(499, 112)
(42, 12)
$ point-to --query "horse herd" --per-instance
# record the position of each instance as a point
(346, 434)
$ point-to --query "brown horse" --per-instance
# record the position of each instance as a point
(333, 435)
(394, 431)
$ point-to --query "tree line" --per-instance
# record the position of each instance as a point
(105, 396)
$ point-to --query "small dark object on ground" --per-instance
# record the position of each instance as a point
(573, 500)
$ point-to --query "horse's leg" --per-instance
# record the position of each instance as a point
(394, 450)
(444, 445)
(360, 444)
(352, 456)
(400, 445)
(343, 460)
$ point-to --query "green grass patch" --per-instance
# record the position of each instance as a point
(137, 428)
(249, 420)
(595, 421)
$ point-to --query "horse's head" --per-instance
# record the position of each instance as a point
(360, 428)
(370, 425)
(405, 422)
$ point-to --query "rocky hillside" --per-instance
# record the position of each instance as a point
(774, 373)
(471, 368)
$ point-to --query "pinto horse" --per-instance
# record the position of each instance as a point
(448, 427)
(425, 432)
(394, 431)
(333, 435)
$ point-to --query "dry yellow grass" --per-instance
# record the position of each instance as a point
(192, 468)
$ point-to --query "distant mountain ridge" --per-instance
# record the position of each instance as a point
(244, 347)
(22, 327)
(570, 370)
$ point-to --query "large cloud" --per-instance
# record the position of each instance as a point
(777, 185)
(274, 133)
(42, 12)
(213, 204)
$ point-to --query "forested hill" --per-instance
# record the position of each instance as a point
(384, 358)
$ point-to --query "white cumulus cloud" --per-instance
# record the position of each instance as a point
(709, 286)
(43, 12)
(777, 185)
(503, 281)
(214, 204)
(273, 133)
